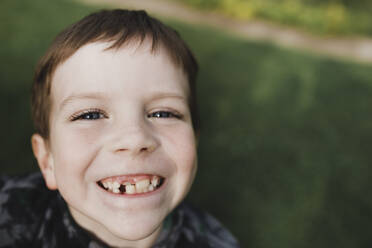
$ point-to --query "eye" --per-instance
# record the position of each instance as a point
(89, 115)
(164, 114)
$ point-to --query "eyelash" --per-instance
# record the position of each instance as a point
(84, 115)
(160, 114)
(99, 114)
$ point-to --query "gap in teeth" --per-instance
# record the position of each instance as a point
(138, 186)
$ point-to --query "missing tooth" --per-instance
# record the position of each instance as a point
(122, 188)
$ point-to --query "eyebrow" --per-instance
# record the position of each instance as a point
(74, 97)
(96, 96)
(161, 95)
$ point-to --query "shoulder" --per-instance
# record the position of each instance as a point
(24, 181)
(204, 229)
(22, 204)
(21, 191)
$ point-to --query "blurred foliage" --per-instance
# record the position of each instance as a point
(284, 157)
(26, 29)
(345, 17)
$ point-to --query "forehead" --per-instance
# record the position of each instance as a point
(133, 67)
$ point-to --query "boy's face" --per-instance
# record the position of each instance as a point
(119, 116)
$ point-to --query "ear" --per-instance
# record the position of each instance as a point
(44, 158)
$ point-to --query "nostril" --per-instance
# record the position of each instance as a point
(144, 149)
(149, 148)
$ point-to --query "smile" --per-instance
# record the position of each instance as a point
(130, 185)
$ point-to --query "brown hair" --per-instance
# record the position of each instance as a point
(116, 26)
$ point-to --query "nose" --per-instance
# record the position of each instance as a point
(134, 140)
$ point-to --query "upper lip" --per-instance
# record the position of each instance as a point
(131, 176)
(160, 168)
(103, 177)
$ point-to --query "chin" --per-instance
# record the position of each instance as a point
(134, 228)
(136, 233)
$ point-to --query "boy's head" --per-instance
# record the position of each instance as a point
(119, 27)
(115, 113)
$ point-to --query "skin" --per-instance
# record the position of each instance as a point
(117, 113)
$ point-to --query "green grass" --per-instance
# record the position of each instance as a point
(284, 156)
(284, 144)
(341, 17)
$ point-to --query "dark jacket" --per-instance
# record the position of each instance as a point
(33, 216)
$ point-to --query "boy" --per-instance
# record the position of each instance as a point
(114, 108)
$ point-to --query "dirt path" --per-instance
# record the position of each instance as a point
(356, 49)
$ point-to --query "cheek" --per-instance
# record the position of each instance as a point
(182, 148)
(187, 159)
(74, 149)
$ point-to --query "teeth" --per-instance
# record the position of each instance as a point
(155, 181)
(115, 185)
(105, 185)
(109, 185)
(130, 189)
(151, 187)
(142, 186)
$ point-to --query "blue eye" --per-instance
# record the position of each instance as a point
(88, 115)
(163, 114)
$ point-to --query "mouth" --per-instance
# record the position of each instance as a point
(131, 185)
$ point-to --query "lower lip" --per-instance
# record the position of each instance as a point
(140, 195)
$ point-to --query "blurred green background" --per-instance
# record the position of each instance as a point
(284, 149)
(331, 17)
